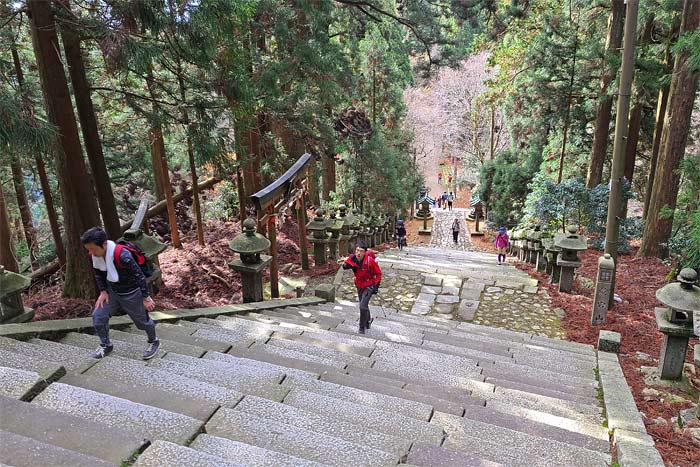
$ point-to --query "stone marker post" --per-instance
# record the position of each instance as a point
(11, 308)
(249, 245)
(676, 322)
(319, 236)
(568, 260)
(606, 267)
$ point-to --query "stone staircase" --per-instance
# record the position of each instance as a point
(297, 386)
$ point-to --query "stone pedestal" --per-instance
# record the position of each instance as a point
(524, 252)
(603, 289)
(333, 248)
(320, 256)
(674, 345)
(540, 260)
(251, 277)
(566, 279)
(11, 308)
(609, 341)
(343, 242)
(326, 292)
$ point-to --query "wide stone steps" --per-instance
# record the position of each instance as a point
(22, 451)
(298, 386)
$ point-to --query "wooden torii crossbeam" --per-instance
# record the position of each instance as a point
(276, 198)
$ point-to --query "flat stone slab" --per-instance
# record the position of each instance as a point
(449, 290)
(417, 410)
(380, 420)
(444, 308)
(164, 454)
(47, 370)
(449, 299)
(119, 413)
(311, 421)
(426, 298)
(136, 372)
(200, 409)
(183, 334)
(530, 289)
(69, 432)
(431, 289)
(20, 450)
(322, 352)
(288, 439)
(166, 345)
(247, 454)
(433, 279)
(297, 355)
(609, 341)
(420, 309)
(426, 455)
(222, 357)
(636, 449)
(20, 384)
(467, 309)
(470, 293)
(555, 452)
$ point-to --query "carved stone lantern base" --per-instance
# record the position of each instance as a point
(251, 276)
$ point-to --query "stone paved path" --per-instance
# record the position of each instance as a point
(442, 230)
(445, 280)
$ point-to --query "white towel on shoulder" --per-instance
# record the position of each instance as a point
(108, 265)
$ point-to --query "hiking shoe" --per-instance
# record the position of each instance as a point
(102, 352)
(151, 350)
(369, 323)
(362, 330)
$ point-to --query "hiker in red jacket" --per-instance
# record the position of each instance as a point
(367, 279)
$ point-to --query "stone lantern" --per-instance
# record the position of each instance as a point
(318, 228)
(676, 322)
(552, 252)
(335, 226)
(11, 308)
(541, 263)
(151, 248)
(378, 224)
(568, 259)
(345, 229)
(524, 245)
(515, 242)
(356, 229)
(249, 245)
(533, 244)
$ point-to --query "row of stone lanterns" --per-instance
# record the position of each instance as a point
(555, 255)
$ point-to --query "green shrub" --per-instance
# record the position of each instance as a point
(224, 205)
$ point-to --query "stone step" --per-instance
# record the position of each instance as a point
(22, 451)
(379, 334)
(513, 337)
(471, 353)
(48, 371)
(278, 319)
(77, 434)
(544, 451)
(318, 341)
(90, 342)
(75, 359)
(520, 376)
(379, 420)
(287, 359)
(389, 403)
(254, 329)
(426, 455)
(281, 351)
(544, 391)
(509, 370)
(233, 336)
(321, 352)
(504, 420)
(200, 409)
(288, 439)
(131, 372)
(474, 341)
(20, 384)
(247, 454)
(387, 379)
(279, 313)
(401, 365)
(183, 334)
(555, 361)
(334, 335)
(164, 454)
(119, 413)
(166, 345)
(330, 426)
(228, 358)
(241, 378)
(376, 386)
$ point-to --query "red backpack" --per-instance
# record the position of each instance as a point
(136, 252)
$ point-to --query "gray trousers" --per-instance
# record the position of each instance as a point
(363, 295)
(132, 304)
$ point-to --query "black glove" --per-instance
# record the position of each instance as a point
(375, 289)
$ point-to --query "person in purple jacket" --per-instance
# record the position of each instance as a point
(501, 243)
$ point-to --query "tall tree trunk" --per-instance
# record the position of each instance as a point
(7, 251)
(159, 144)
(328, 162)
(24, 210)
(602, 121)
(684, 83)
(50, 210)
(90, 130)
(158, 178)
(79, 207)
(314, 191)
(660, 120)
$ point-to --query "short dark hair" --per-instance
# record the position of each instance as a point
(362, 245)
(94, 235)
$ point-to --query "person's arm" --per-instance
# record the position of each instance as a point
(377, 273)
(101, 279)
(350, 263)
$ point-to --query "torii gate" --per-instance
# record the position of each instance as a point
(273, 201)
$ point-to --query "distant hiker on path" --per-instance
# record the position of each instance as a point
(439, 178)
(449, 179)
(455, 227)
(450, 199)
(400, 234)
(368, 276)
(122, 284)
(501, 244)
(444, 200)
